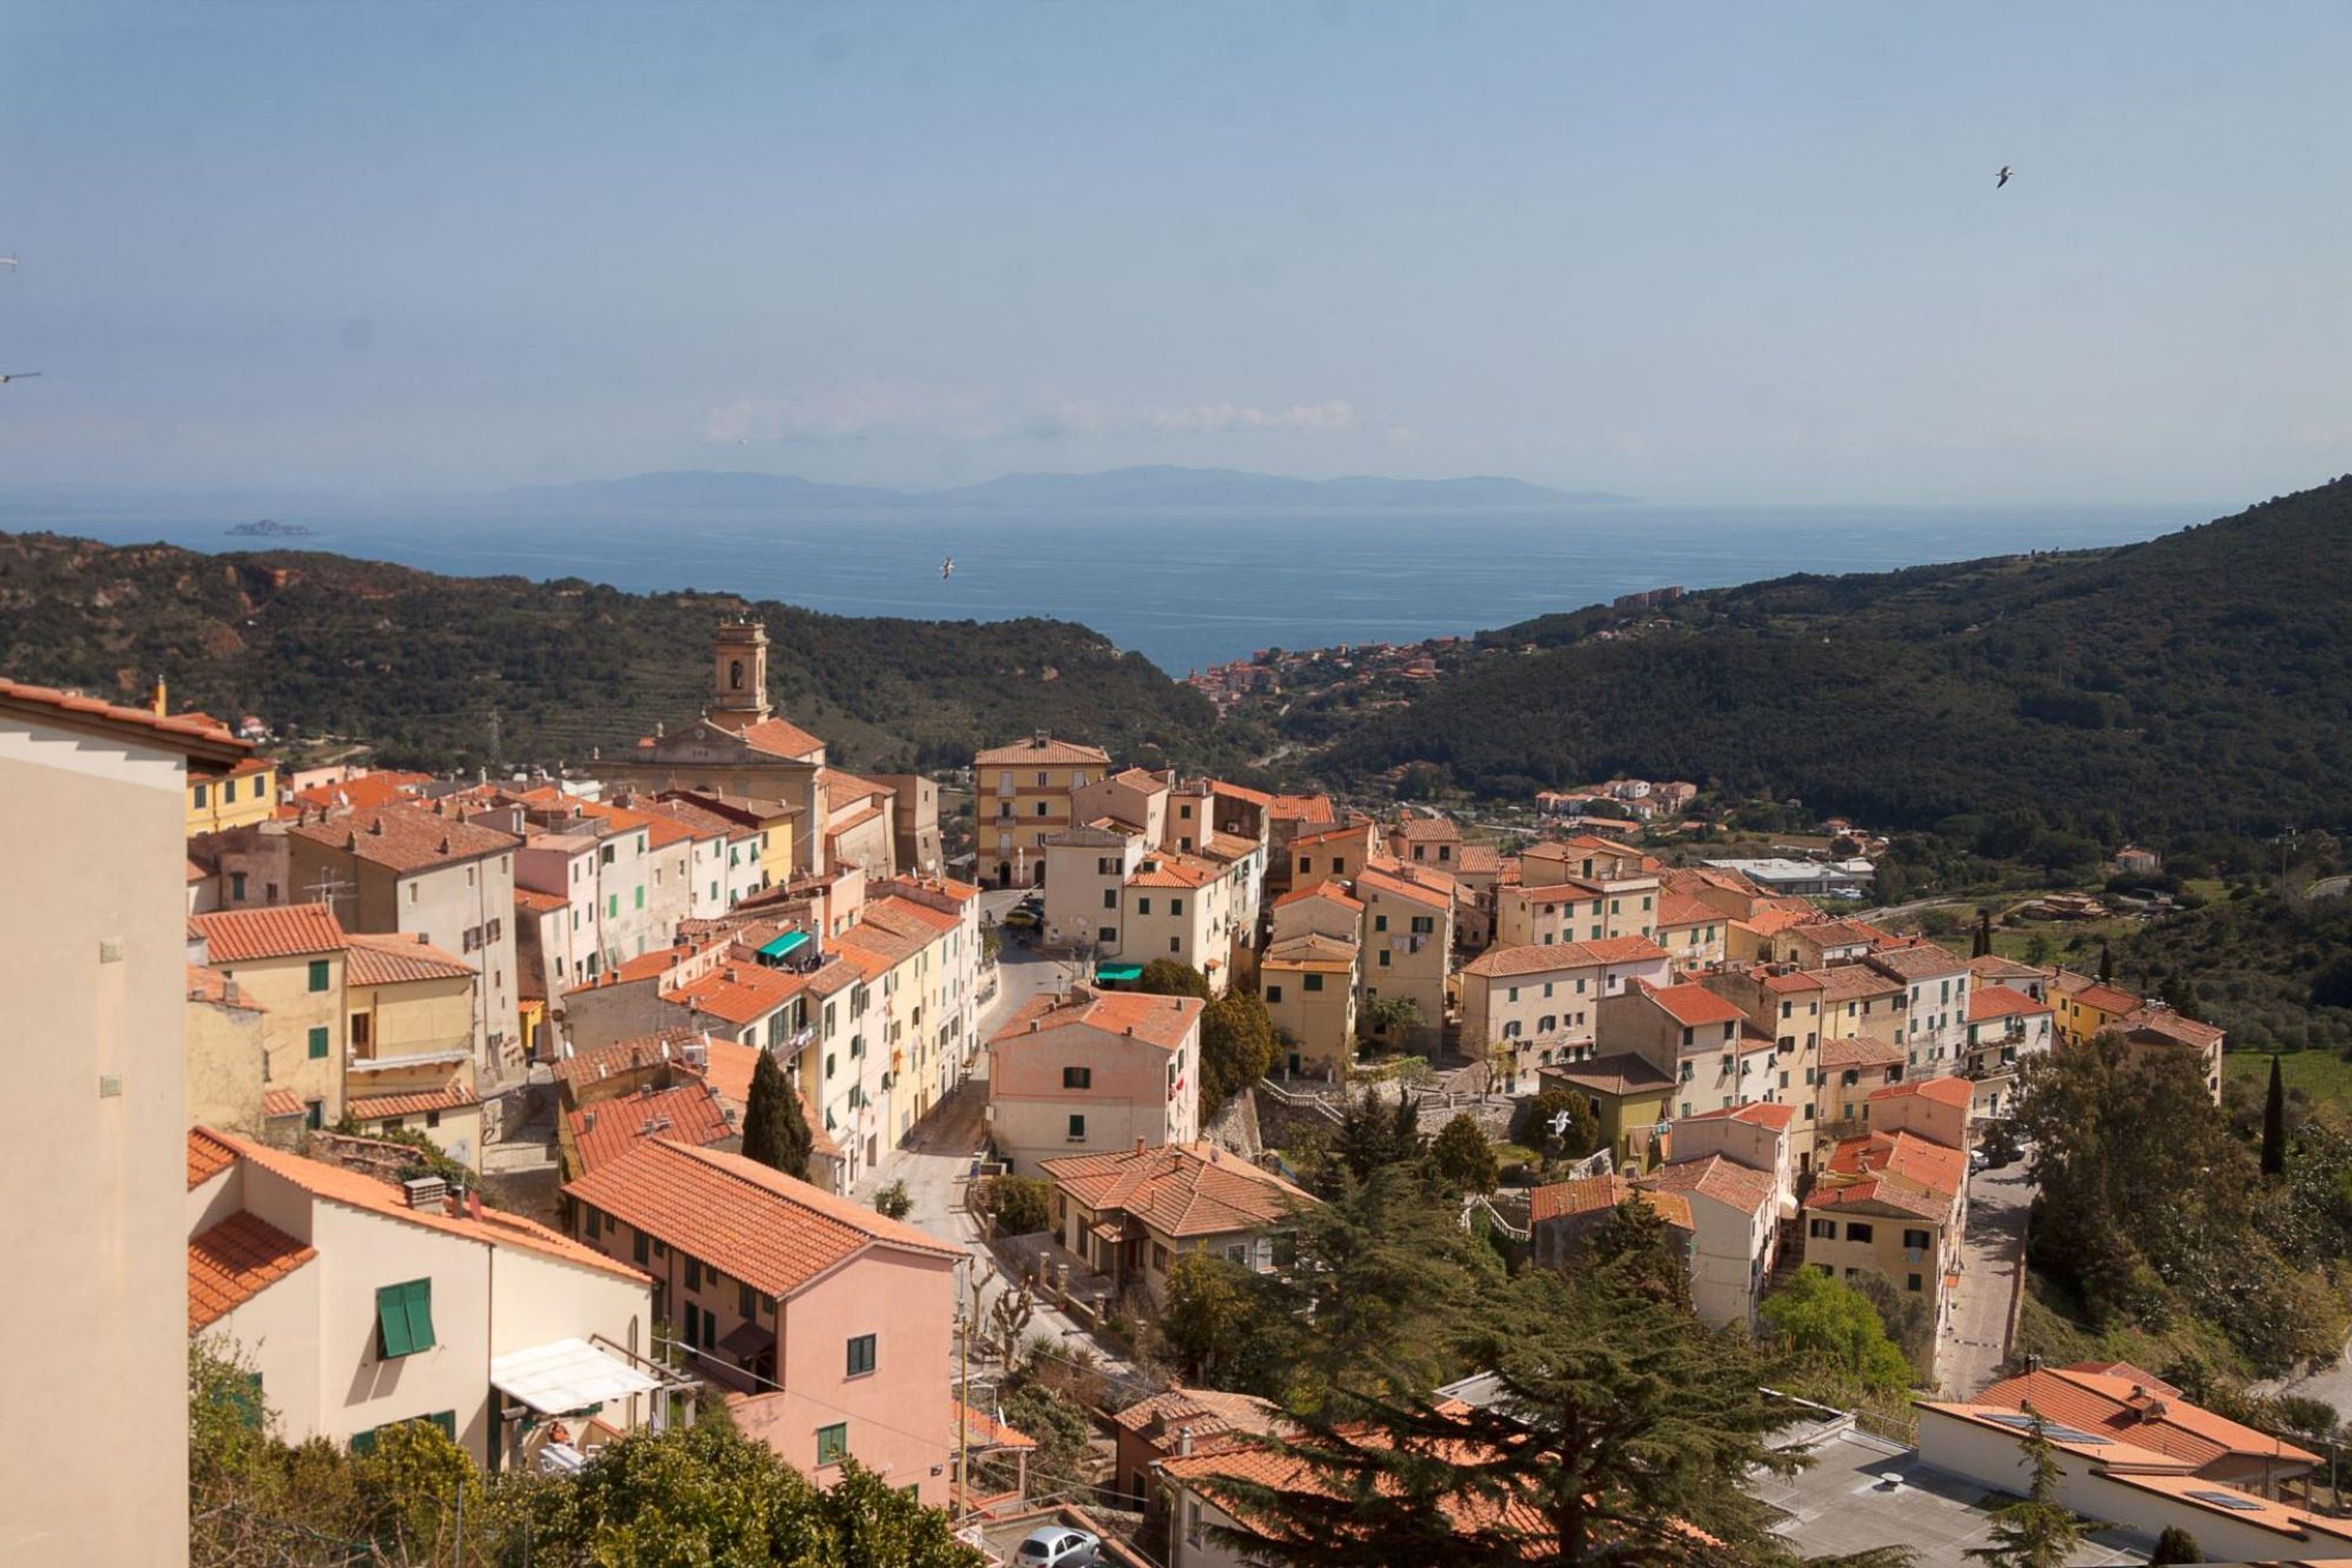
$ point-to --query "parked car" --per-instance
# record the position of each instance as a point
(1059, 1546)
(1022, 919)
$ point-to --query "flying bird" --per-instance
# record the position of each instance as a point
(18, 375)
(2004, 177)
(947, 568)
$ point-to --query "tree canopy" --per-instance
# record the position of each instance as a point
(775, 1130)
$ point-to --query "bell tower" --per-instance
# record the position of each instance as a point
(738, 674)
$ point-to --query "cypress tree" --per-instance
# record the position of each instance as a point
(2106, 964)
(2274, 1124)
(775, 1133)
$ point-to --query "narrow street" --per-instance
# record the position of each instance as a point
(1976, 1342)
(938, 1157)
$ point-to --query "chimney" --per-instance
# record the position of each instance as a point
(1139, 1145)
(376, 827)
(158, 699)
(1183, 1442)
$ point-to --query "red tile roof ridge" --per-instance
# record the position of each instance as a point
(284, 930)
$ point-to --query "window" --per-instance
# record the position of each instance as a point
(1306, 863)
(1110, 897)
(832, 1444)
(861, 1355)
(1821, 1229)
(1176, 944)
(1380, 922)
(1077, 1078)
(641, 895)
(361, 1025)
(1274, 993)
(1107, 935)
(404, 1319)
(1077, 1134)
(1311, 981)
(747, 1303)
(1424, 925)
(319, 975)
(1385, 958)
(611, 905)
(1915, 1238)
(693, 1274)
(1856, 1231)
(319, 1043)
(1040, 808)
(1175, 906)
(1911, 1283)
(637, 1251)
(314, 1114)
(1143, 906)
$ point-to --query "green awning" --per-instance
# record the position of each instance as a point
(1112, 973)
(785, 944)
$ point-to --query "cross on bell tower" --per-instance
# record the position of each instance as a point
(738, 674)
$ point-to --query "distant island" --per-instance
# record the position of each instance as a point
(268, 529)
(1145, 487)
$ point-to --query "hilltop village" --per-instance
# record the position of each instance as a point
(553, 1110)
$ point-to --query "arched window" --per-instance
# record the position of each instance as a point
(1511, 1030)
(735, 675)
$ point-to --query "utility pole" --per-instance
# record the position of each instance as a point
(963, 1414)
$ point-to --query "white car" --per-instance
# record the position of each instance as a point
(1058, 1546)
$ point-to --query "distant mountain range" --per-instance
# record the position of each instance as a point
(1201, 488)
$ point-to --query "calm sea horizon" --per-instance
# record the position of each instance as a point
(1187, 589)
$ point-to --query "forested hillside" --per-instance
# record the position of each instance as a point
(418, 663)
(2199, 682)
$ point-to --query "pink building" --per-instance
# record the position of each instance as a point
(1091, 1073)
(837, 1325)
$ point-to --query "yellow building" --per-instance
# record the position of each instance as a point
(291, 961)
(1021, 795)
(245, 795)
(415, 1033)
(225, 1053)
(1628, 1095)
(1309, 982)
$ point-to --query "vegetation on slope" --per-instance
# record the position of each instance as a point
(418, 663)
(2201, 682)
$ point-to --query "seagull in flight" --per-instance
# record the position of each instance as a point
(18, 375)
(947, 569)
(2004, 177)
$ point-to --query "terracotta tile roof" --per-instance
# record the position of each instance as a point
(1838, 934)
(1950, 1091)
(235, 1261)
(1181, 1190)
(1205, 1413)
(539, 903)
(1163, 1021)
(413, 1102)
(1227, 846)
(1989, 1002)
(1682, 910)
(210, 736)
(780, 739)
(1531, 958)
(729, 1069)
(1898, 1168)
(750, 1223)
(1860, 1050)
(1428, 830)
(291, 930)
(1762, 1113)
(211, 986)
(2114, 1457)
(1852, 982)
(491, 1228)
(611, 1129)
(404, 839)
(1478, 860)
(1618, 1074)
(1625, 949)
(1331, 890)
(1237, 792)
(1899, 1193)
(2130, 1410)
(738, 993)
(2165, 1023)
(602, 1062)
(394, 960)
(282, 1104)
(854, 821)
(906, 917)
(982, 1430)
(1714, 1176)
(1772, 923)
(1178, 871)
(209, 1156)
(883, 940)
(1692, 1005)
(1993, 966)
(1372, 884)
(1360, 830)
(1796, 982)
(1043, 749)
(1301, 808)
(1590, 1195)
(1917, 960)
(1310, 950)
(365, 792)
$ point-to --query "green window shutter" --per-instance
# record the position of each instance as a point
(420, 1314)
(392, 1320)
(448, 1421)
(319, 1043)
(612, 905)
(317, 974)
(641, 896)
(363, 1443)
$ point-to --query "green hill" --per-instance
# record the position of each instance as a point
(2199, 682)
(416, 663)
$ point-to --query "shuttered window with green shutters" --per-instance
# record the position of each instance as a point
(404, 1319)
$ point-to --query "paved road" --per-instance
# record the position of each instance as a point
(1976, 1342)
(936, 1159)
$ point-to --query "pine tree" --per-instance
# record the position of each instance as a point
(775, 1133)
(2274, 1123)
(2037, 1531)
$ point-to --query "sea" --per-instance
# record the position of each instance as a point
(1187, 589)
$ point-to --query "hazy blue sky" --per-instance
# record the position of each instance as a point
(1692, 252)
